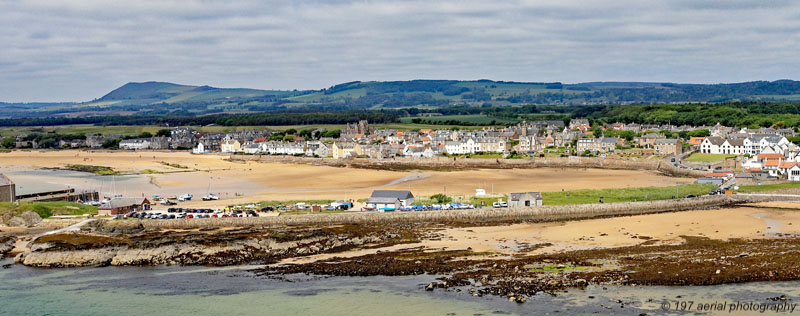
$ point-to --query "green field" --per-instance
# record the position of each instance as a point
(698, 157)
(88, 129)
(47, 209)
(589, 196)
(480, 156)
(768, 187)
(624, 195)
(472, 118)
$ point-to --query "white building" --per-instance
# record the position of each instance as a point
(794, 173)
(135, 144)
(283, 148)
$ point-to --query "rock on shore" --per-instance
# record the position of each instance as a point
(7, 244)
(26, 219)
(53, 255)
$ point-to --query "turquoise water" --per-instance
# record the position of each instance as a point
(236, 291)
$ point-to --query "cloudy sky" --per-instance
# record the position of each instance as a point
(77, 50)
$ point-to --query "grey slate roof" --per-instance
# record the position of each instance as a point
(381, 200)
(122, 202)
(517, 196)
(715, 140)
(397, 194)
(662, 141)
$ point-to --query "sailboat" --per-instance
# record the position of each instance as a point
(210, 196)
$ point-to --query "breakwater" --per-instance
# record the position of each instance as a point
(485, 215)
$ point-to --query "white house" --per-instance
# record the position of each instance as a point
(200, 148)
(453, 148)
(317, 148)
(734, 147)
(283, 148)
(251, 148)
(794, 173)
(134, 144)
(389, 200)
(527, 144)
(418, 152)
(711, 145)
(761, 142)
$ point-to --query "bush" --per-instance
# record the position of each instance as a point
(441, 198)
(43, 211)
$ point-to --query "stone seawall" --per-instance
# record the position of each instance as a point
(485, 215)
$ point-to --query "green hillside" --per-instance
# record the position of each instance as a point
(169, 99)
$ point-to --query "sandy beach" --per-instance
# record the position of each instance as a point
(756, 222)
(239, 182)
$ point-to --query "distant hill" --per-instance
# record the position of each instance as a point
(163, 98)
(157, 92)
(146, 91)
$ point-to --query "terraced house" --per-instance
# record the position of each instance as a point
(668, 147)
(741, 144)
(598, 145)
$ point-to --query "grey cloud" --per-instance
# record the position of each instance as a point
(75, 50)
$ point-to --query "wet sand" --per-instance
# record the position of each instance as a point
(654, 229)
(239, 182)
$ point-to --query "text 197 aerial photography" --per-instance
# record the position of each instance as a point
(399, 157)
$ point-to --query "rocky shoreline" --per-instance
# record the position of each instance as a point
(695, 261)
(7, 244)
(103, 243)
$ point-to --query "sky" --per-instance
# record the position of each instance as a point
(78, 50)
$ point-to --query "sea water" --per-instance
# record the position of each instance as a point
(173, 290)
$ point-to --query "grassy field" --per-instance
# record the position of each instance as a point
(768, 187)
(590, 196)
(624, 195)
(98, 170)
(85, 129)
(473, 118)
(47, 209)
(698, 157)
(480, 155)
(88, 129)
